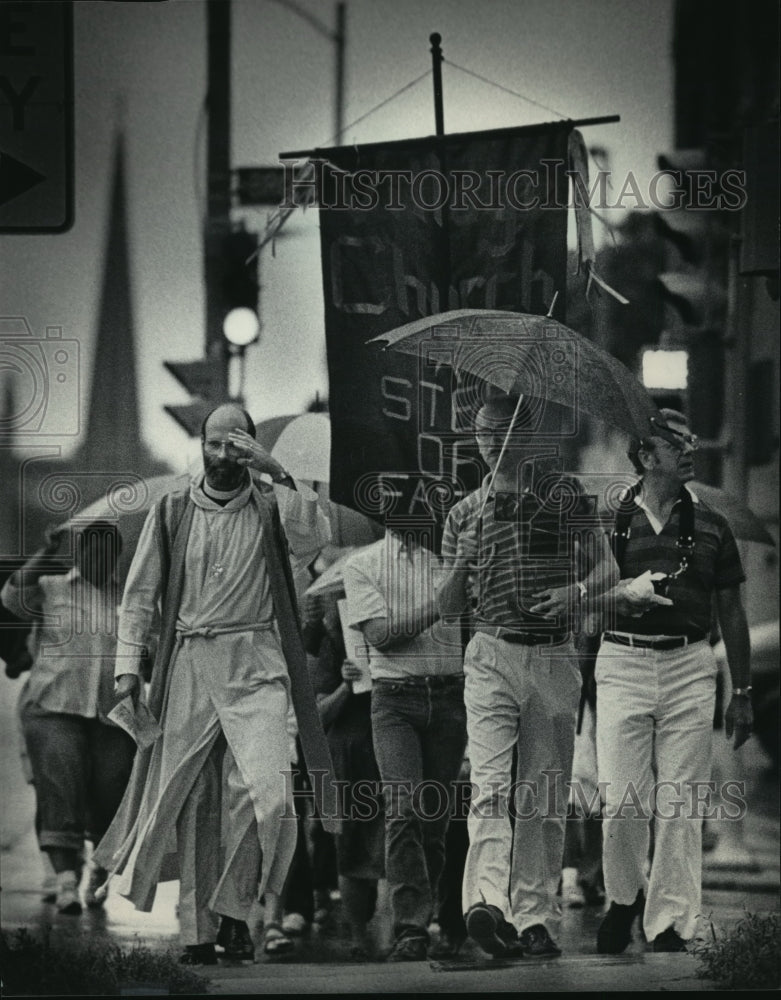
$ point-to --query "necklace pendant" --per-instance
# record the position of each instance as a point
(218, 571)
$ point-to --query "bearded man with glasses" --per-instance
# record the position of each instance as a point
(656, 689)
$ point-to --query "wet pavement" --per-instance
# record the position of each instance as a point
(741, 874)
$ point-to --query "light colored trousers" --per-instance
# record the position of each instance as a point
(521, 705)
(654, 739)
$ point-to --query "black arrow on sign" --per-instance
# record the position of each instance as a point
(16, 178)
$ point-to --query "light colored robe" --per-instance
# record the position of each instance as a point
(216, 808)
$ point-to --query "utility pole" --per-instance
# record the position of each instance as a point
(217, 223)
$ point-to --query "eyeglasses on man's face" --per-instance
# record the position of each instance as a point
(684, 441)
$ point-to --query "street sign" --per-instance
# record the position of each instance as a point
(36, 117)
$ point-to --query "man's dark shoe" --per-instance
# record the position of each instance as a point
(199, 954)
(615, 931)
(669, 940)
(536, 942)
(235, 940)
(412, 948)
(486, 925)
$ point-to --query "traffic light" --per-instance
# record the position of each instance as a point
(239, 286)
(232, 323)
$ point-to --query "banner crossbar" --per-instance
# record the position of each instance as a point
(496, 133)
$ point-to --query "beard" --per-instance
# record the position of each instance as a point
(223, 475)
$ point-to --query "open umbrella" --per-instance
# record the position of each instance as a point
(534, 356)
(126, 503)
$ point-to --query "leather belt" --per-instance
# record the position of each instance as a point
(639, 642)
(428, 681)
(524, 638)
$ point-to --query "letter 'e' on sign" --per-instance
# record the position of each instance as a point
(36, 117)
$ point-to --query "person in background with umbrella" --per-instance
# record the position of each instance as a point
(511, 557)
(656, 689)
(230, 663)
(80, 760)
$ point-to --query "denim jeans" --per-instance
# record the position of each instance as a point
(80, 767)
(419, 734)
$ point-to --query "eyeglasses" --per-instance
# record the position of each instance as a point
(690, 441)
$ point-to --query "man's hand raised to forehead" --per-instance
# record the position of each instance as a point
(254, 455)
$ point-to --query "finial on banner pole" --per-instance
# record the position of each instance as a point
(436, 65)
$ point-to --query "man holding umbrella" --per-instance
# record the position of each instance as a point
(207, 802)
(656, 689)
(513, 560)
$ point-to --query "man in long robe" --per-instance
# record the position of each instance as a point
(210, 802)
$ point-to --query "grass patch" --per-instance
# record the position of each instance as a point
(748, 956)
(33, 966)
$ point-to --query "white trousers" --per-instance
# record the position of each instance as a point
(521, 705)
(654, 739)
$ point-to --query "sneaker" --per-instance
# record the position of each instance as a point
(413, 948)
(669, 940)
(295, 924)
(96, 891)
(68, 901)
(486, 925)
(536, 942)
(615, 931)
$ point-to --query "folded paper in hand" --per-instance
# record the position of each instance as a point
(357, 650)
(136, 720)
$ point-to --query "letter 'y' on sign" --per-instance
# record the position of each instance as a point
(36, 117)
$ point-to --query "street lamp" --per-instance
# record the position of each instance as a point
(240, 328)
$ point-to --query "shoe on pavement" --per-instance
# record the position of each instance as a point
(615, 931)
(412, 948)
(486, 925)
(235, 940)
(536, 942)
(295, 924)
(68, 901)
(95, 893)
(669, 940)
(199, 954)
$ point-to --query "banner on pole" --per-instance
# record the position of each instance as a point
(406, 232)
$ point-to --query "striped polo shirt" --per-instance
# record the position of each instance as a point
(525, 544)
(715, 566)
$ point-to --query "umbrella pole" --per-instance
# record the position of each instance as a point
(501, 455)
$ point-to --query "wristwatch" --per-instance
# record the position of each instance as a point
(742, 692)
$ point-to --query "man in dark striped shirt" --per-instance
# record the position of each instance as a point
(523, 552)
(656, 689)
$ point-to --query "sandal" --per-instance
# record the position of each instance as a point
(275, 941)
